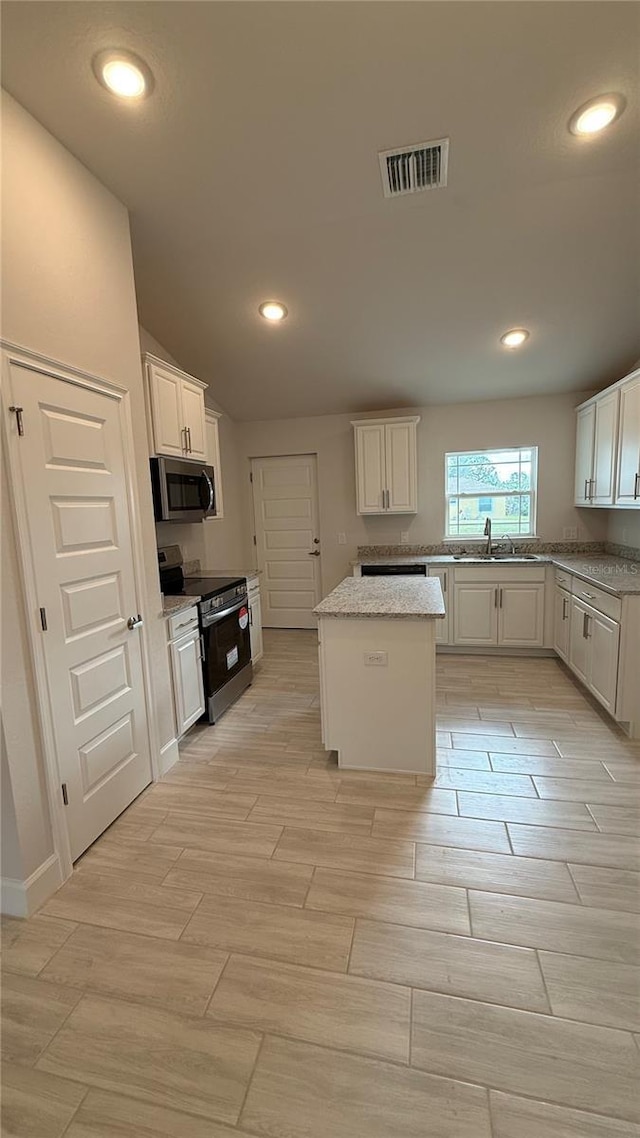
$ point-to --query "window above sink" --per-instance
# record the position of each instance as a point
(499, 484)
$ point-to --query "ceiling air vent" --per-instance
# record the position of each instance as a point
(410, 169)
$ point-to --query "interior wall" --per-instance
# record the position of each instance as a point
(624, 527)
(547, 422)
(218, 543)
(68, 294)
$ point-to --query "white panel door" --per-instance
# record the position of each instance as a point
(442, 627)
(585, 433)
(193, 420)
(370, 469)
(604, 449)
(604, 638)
(285, 502)
(79, 533)
(401, 480)
(561, 623)
(166, 411)
(521, 615)
(628, 488)
(188, 685)
(475, 614)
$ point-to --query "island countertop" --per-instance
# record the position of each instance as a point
(404, 598)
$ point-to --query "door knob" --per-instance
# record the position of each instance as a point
(134, 622)
(315, 553)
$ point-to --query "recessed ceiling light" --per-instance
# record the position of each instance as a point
(123, 73)
(273, 311)
(597, 114)
(514, 337)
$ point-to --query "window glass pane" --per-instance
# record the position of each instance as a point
(490, 483)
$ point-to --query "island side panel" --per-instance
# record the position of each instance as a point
(379, 717)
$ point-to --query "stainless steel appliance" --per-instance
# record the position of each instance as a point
(416, 569)
(182, 491)
(223, 613)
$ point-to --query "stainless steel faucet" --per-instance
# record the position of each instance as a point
(487, 534)
(507, 537)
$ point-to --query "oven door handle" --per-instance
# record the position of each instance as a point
(207, 621)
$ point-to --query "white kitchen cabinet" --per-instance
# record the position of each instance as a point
(561, 621)
(386, 465)
(593, 656)
(176, 411)
(185, 650)
(521, 615)
(213, 458)
(501, 606)
(475, 614)
(596, 438)
(443, 627)
(628, 471)
(255, 619)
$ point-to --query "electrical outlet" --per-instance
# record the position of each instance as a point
(404, 537)
(376, 659)
(624, 535)
(569, 533)
(342, 539)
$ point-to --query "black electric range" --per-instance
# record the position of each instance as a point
(223, 611)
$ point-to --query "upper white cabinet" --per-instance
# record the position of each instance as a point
(628, 473)
(177, 412)
(608, 447)
(596, 438)
(213, 458)
(386, 465)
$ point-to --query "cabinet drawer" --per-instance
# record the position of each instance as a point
(597, 598)
(182, 623)
(563, 579)
(494, 571)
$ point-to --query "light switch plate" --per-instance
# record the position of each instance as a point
(569, 533)
(404, 537)
(342, 539)
(376, 659)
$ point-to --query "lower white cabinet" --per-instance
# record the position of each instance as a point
(593, 656)
(561, 621)
(508, 614)
(443, 627)
(255, 618)
(186, 669)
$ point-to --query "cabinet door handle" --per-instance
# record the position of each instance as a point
(636, 486)
(495, 599)
(500, 592)
(586, 489)
(585, 625)
(201, 641)
(183, 432)
(589, 596)
(564, 608)
(592, 488)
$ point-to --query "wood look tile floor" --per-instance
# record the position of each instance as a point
(265, 946)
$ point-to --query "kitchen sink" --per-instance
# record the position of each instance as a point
(477, 557)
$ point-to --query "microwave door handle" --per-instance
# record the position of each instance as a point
(209, 483)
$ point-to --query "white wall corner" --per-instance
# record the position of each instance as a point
(22, 898)
(169, 755)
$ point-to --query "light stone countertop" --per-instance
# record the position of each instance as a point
(393, 598)
(247, 573)
(172, 605)
(617, 575)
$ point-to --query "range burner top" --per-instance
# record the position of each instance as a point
(209, 586)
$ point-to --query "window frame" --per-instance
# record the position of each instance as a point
(532, 492)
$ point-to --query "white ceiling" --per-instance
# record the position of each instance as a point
(252, 173)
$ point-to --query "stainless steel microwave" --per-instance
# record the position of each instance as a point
(182, 491)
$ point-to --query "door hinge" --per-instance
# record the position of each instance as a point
(254, 539)
(17, 411)
(43, 619)
(251, 476)
(65, 796)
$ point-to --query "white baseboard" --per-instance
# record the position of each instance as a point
(22, 898)
(169, 755)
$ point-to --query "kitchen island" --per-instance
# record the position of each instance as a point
(377, 672)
